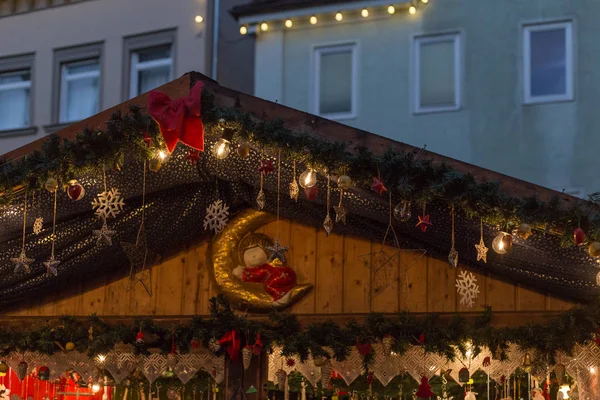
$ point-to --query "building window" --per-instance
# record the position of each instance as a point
(15, 90)
(335, 81)
(437, 73)
(149, 62)
(77, 83)
(548, 62)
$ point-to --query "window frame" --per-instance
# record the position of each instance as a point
(65, 78)
(145, 41)
(332, 48)
(417, 41)
(569, 94)
(71, 55)
(17, 63)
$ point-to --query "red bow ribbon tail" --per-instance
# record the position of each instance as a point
(232, 340)
(257, 348)
(178, 120)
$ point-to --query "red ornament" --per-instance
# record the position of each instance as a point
(266, 167)
(232, 340)
(370, 376)
(579, 236)
(194, 344)
(378, 186)
(290, 362)
(311, 192)
(139, 338)
(147, 139)
(424, 223)
(364, 349)
(422, 338)
(75, 191)
(193, 156)
(487, 362)
(597, 338)
(178, 120)
(424, 389)
(257, 348)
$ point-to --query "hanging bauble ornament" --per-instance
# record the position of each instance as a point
(402, 211)
(326, 370)
(524, 231)
(578, 236)
(378, 186)
(75, 191)
(308, 178)
(139, 338)
(246, 357)
(559, 371)
(311, 192)
(319, 361)
(386, 344)
(70, 346)
(155, 164)
(243, 150)
(594, 249)
(502, 243)
(344, 182)
(51, 185)
(44, 373)
(21, 370)
(214, 345)
(3, 367)
(281, 376)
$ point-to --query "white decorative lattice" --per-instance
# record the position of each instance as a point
(108, 204)
(152, 366)
(217, 216)
(351, 368)
(467, 288)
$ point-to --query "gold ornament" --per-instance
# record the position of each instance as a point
(344, 182)
(224, 256)
(154, 165)
(70, 346)
(594, 249)
(51, 185)
(524, 231)
(243, 150)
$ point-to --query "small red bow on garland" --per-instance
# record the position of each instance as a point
(424, 223)
(266, 167)
(422, 338)
(232, 340)
(178, 120)
(147, 139)
(378, 186)
(364, 349)
(257, 348)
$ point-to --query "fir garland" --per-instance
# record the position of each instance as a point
(420, 180)
(561, 333)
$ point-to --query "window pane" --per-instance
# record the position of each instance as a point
(82, 99)
(548, 62)
(17, 76)
(154, 53)
(335, 83)
(152, 78)
(436, 72)
(14, 108)
(84, 66)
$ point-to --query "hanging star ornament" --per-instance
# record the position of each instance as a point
(140, 260)
(51, 265)
(266, 167)
(481, 251)
(424, 223)
(277, 250)
(378, 186)
(340, 214)
(22, 262)
(104, 235)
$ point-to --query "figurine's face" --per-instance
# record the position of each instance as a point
(255, 256)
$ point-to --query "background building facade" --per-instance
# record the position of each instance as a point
(506, 85)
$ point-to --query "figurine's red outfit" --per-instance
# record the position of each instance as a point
(278, 280)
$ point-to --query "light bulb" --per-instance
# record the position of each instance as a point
(308, 178)
(264, 26)
(564, 389)
(391, 10)
(424, 1)
(243, 30)
(592, 370)
(412, 10)
(288, 23)
(502, 243)
(199, 19)
(339, 16)
(162, 155)
(313, 20)
(468, 353)
(95, 388)
(101, 358)
(222, 148)
(364, 13)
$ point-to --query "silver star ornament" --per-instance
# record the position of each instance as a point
(51, 265)
(277, 251)
(22, 262)
(104, 235)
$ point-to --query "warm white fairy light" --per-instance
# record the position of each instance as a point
(339, 17)
(288, 23)
(264, 27)
(391, 10)
(162, 155)
(424, 1)
(95, 388)
(313, 20)
(412, 10)
(199, 19)
(364, 13)
(592, 370)
(243, 29)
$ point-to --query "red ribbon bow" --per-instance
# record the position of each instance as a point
(178, 120)
(232, 340)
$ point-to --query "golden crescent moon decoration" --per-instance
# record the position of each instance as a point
(223, 257)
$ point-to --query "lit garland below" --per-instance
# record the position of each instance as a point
(94, 336)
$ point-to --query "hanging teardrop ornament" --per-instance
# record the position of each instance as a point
(294, 187)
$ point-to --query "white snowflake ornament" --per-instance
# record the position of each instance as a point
(217, 216)
(38, 225)
(467, 288)
(108, 204)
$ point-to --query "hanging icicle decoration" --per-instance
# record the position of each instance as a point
(294, 187)
(328, 223)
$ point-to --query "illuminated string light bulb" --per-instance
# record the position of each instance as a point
(264, 26)
(243, 29)
(424, 1)
(222, 147)
(95, 388)
(564, 389)
(199, 19)
(502, 243)
(162, 155)
(339, 16)
(592, 370)
(313, 20)
(308, 178)
(391, 10)
(288, 23)
(364, 13)
(412, 10)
